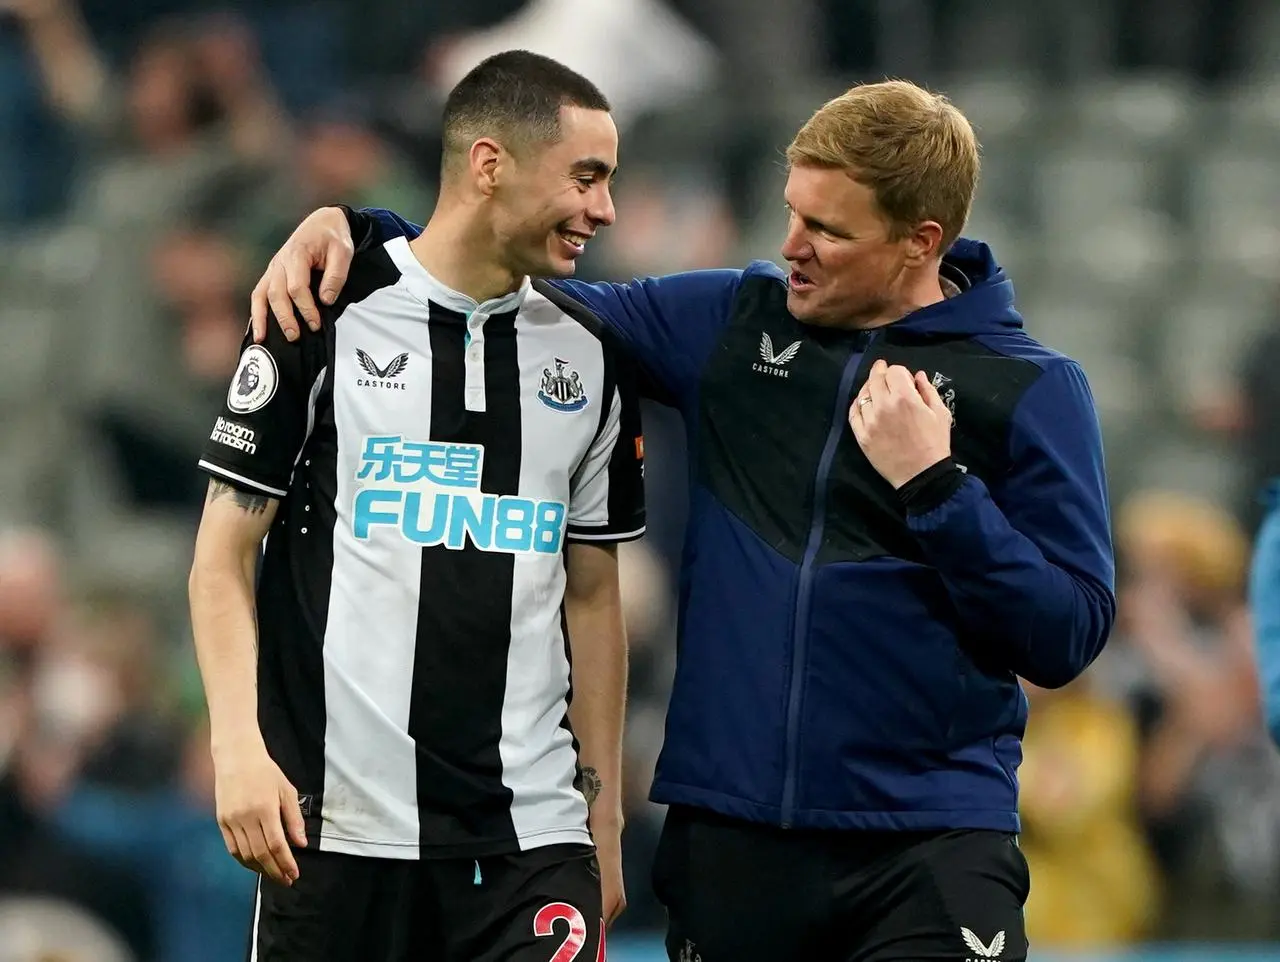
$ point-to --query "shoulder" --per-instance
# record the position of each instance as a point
(372, 269)
(764, 271)
(1053, 398)
(1019, 345)
(547, 303)
(763, 279)
(761, 290)
(1025, 372)
(550, 307)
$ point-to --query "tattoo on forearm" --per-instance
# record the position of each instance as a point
(591, 785)
(252, 503)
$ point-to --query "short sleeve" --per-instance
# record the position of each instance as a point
(607, 491)
(256, 440)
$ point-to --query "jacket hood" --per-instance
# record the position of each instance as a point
(984, 304)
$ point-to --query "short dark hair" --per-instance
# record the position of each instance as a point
(515, 97)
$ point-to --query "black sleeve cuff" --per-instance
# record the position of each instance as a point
(362, 227)
(931, 487)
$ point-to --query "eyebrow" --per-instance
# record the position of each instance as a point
(814, 224)
(834, 231)
(596, 166)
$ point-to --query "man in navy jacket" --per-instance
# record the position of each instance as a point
(897, 507)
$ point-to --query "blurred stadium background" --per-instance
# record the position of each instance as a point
(153, 153)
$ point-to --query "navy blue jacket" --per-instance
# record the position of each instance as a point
(849, 658)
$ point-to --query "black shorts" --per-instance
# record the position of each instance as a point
(738, 892)
(522, 907)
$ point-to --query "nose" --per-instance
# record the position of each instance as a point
(796, 246)
(600, 208)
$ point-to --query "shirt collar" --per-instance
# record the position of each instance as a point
(430, 290)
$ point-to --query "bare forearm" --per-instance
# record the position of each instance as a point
(598, 644)
(226, 637)
(223, 612)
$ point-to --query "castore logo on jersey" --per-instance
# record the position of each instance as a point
(382, 377)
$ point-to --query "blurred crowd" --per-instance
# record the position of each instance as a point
(154, 154)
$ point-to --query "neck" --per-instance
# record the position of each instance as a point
(456, 248)
(918, 289)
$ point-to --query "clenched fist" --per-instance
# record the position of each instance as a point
(901, 424)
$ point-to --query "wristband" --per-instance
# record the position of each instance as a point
(931, 487)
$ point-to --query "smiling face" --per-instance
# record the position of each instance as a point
(531, 148)
(552, 200)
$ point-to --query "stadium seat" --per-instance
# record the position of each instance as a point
(28, 363)
(1232, 185)
(36, 458)
(1004, 187)
(1006, 238)
(40, 274)
(1176, 460)
(1156, 111)
(1249, 113)
(1000, 106)
(1234, 196)
(1103, 339)
(1203, 338)
(1079, 184)
(1125, 255)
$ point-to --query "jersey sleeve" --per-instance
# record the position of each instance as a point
(606, 501)
(256, 439)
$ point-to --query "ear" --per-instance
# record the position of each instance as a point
(485, 161)
(924, 243)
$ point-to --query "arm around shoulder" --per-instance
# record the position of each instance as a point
(668, 324)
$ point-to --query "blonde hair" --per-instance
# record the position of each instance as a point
(1200, 543)
(914, 149)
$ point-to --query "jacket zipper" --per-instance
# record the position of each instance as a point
(839, 424)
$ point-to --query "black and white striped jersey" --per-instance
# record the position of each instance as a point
(433, 455)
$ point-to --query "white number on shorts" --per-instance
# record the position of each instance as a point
(553, 912)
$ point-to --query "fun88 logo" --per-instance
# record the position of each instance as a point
(430, 492)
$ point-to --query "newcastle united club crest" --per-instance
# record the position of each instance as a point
(948, 394)
(562, 390)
